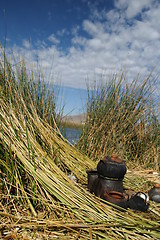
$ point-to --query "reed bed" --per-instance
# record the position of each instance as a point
(123, 118)
(38, 199)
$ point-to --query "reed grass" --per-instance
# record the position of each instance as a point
(38, 200)
(122, 118)
(30, 84)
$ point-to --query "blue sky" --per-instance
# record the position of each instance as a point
(78, 41)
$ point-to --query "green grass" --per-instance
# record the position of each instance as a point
(67, 124)
(122, 119)
(17, 82)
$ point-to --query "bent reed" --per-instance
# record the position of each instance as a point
(37, 198)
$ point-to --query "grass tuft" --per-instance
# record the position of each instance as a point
(122, 119)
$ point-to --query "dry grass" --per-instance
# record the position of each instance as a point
(37, 198)
(123, 118)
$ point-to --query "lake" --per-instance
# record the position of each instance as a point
(72, 134)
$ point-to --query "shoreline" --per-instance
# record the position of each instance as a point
(78, 119)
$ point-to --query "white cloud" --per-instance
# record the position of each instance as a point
(62, 32)
(53, 39)
(81, 41)
(115, 40)
(135, 7)
(26, 44)
(92, 28)
(75, 30)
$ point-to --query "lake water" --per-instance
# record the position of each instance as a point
(72, 134)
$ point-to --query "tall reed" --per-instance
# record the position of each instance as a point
(36, 193)
(31, 86)
(122, 119)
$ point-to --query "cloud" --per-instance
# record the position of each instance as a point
(53, 39)
(26, 44)
(107, 41)
(136, 7)
(75, 30)
(62, 32)
(132, 7)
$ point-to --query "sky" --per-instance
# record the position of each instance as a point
(76, 42)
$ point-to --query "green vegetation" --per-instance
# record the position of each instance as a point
(17, 83)
(37, 198)
(122, 118)
(67, 124)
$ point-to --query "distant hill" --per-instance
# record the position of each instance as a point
(77, 119)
